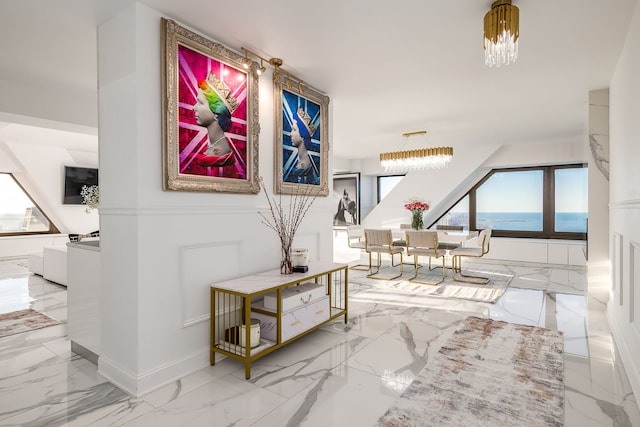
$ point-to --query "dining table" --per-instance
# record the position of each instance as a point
(444, 236)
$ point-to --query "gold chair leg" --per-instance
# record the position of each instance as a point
(378, 269)
(377, 265)
(358, 266)
(392, 264)
(457, 266)
(415, 264)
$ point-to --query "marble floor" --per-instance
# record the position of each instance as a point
(339, 375)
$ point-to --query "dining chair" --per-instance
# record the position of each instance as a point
(381, 242)
(473, 252)
(355, 240)
(424, 243)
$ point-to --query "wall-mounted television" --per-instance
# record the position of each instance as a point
(74, 178)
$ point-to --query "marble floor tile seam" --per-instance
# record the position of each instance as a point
(310, 393)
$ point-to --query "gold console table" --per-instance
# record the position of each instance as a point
(234, 301)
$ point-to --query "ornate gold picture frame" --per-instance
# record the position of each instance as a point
(301, 138)
(210, 115)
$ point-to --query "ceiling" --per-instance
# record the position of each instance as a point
(388, 67)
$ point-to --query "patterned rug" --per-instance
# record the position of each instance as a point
(449, 288)
(17, 322)
(489, 373)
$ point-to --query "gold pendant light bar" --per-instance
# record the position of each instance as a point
(424, 158)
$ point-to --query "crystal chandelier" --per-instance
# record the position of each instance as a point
(411, 160)
(501, 32)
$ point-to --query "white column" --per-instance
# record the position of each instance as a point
(119, 169)
(598, 233)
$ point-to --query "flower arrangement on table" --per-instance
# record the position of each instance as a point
(286, 220)
(417, 208)
(90, 197)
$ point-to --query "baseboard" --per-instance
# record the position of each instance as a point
(629, 362)
(84, 352)
(150, 380)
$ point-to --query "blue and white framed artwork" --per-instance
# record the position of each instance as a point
(301, 138)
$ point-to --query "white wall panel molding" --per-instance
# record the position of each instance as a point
(627, 348)
(199, 210)
(200, 266)
(617, 274)
(634, 280)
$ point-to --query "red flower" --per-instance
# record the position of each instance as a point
(416, 206)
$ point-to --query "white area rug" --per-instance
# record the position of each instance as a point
(24, 320)
(449, 288)
(489, 373)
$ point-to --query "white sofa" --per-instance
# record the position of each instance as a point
(35, 262)
(54, 265)
(51, 264)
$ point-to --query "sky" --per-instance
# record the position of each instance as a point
(523, 191)
(13, 198)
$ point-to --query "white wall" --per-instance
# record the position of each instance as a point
(623, 308)
(161, 250)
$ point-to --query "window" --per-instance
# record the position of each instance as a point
(538, 202)
(458, 214)
(18, 213)
(571, 200)
(386, 184)
(511, 201)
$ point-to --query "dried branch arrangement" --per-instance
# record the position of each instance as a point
(286, 220)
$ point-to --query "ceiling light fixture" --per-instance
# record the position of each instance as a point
(247, 61)
(411, 160)
(501, 33)
(262, 68)
(279, 75)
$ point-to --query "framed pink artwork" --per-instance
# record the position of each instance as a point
(210, 115)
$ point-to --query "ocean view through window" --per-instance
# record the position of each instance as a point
(574, 222)
(547, 202)
(571, 200)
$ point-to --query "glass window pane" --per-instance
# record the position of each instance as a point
(511, 201)
(571, 200)
(17, 212)
(458, 214)
(386, 184)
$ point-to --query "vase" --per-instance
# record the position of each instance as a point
(416, 220)
(286, 266)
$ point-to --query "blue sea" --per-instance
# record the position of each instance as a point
(575, 222)
(572, 222)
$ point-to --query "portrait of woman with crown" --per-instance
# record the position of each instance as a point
(212, 128)
(210, 100)
(301, 142)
